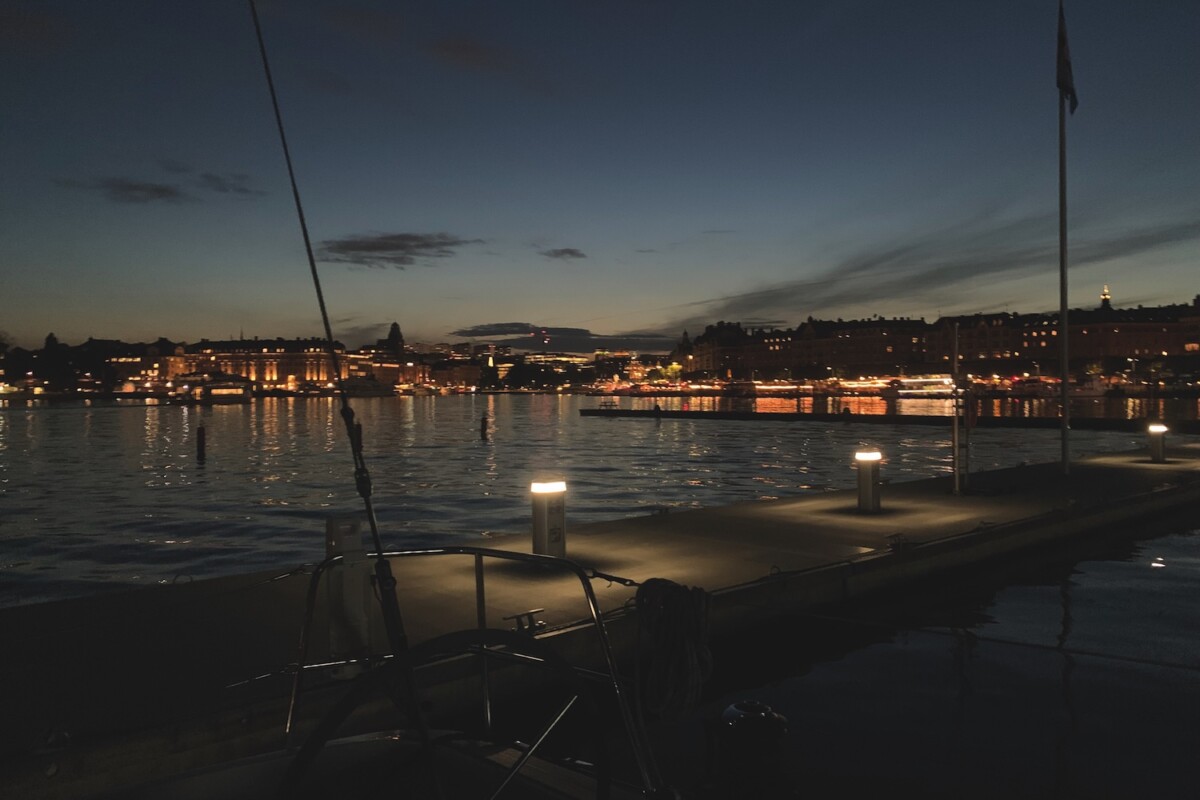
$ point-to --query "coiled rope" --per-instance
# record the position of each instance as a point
(674, 660)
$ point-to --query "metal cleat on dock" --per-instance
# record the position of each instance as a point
(525, 622)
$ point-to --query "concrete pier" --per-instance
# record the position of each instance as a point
(96, 688)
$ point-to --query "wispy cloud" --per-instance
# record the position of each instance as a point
(398, 250)
(322, 79)
(563, 253)
(527, 336)
(358, 335)
(37, 31)
(135, 190)
(367, 31)
(489, 329)
(174, 167)
(232, 183)
(374, 25)
(913, 268)
(475, 55)
(126, 190)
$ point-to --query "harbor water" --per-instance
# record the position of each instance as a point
(107, 494)
(1075, 674)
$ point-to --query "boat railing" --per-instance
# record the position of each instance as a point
(609, 675)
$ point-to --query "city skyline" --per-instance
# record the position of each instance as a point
(641, 168)
(544, 341)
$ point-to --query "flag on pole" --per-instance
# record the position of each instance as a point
(1066, 80)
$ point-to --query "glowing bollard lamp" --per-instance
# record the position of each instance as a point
(868, 480)
(1158, 442)
(549, 518)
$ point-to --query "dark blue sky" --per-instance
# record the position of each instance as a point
(621, 167)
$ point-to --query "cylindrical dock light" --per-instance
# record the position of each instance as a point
(868, 479)
(550, 518)
(1157, 433)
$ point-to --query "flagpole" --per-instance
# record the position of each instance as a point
(1065, 80)
(1064, 360)
(956, 406)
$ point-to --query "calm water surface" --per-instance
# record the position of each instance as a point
(1077, 678)
(113, 494)
(1065, 679)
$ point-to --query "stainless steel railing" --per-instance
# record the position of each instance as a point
(635, 733)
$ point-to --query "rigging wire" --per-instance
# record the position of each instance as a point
(385, 582)
(362, 477)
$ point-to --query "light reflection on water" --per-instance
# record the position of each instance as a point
(114, 493)
(1074, 680)
(1090, 407)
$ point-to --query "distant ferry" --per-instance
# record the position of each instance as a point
(212, 388)
(931, 386)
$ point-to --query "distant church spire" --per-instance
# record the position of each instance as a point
(1105, 299)
(394, 341)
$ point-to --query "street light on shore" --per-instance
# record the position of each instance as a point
(1157, 433)
(867, 462)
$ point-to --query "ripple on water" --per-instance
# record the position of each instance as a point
(101, 503)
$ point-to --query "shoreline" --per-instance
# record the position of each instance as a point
(1180, 426)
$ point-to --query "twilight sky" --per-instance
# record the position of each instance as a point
(470, 169)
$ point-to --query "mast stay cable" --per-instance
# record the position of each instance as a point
(385, 582)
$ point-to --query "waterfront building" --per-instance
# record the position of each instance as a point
(721, 351)
(286, 364)
(621, 363)
(859, 347)
(459, 374)
(1103, 340)
(269, 364)
(980, 339)
(1126, 345)
(1159, 340)
(387, 370)
(558, 360)
(683, 355)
